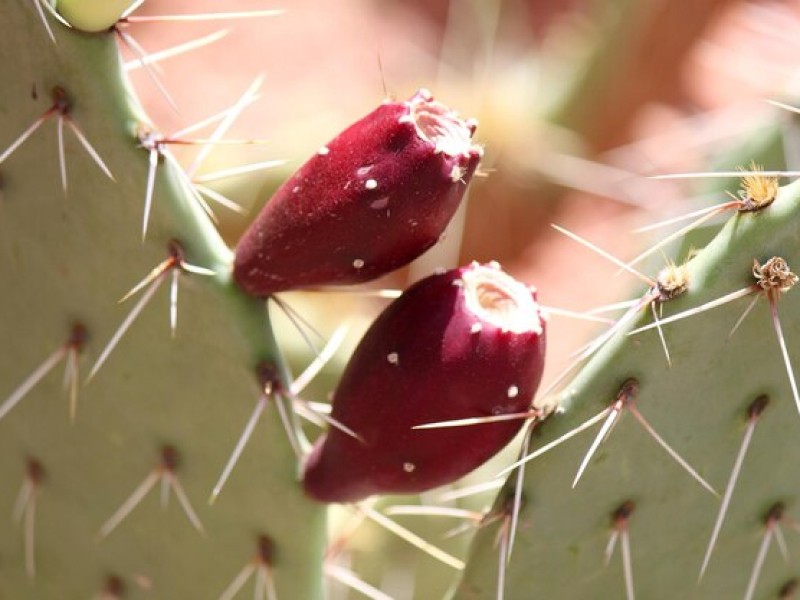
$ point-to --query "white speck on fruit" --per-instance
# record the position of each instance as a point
(393, 358)
(476, 328)
(456, 173)
(361, 171)
(380, 203)
(513, 391)
(323, 151)
(409, 467)
(458, 283)
(358, 263)
(370, 184)
(295, 189)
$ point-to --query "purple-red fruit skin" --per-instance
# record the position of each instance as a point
(368, 202)
(427, 358)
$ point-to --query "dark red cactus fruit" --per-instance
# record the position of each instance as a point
(466, 343)
(368, 202)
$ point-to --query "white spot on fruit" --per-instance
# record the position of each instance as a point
(358, 263)
(295, 189)
(513, 391)
(370, 184)
(393, 358)
(323, 151)
(456, 173)
(409, 467)
(380, 203)
(458, 283)
(476, 328)
(361, 171)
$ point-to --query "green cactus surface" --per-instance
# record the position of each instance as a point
(699, 405)
(69, 257)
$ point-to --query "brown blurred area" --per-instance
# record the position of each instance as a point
(577, 100)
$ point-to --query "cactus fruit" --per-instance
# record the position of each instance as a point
(467, 343)
(368, 202)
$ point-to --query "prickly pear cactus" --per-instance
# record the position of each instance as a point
(686, 462)
(638, 523)
(162, 412)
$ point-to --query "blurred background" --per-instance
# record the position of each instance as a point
(579, 102)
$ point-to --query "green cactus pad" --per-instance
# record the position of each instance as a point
(67, 258)
(699, 406)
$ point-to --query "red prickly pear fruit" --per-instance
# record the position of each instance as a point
(466, 343)
(368, 202)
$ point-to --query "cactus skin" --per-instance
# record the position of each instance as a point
(94, 17)
(368, 202)
(700, 406)
(431, 356)
(69, 259)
